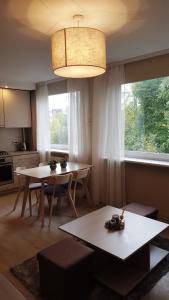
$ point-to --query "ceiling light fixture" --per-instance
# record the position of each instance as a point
(78, 52)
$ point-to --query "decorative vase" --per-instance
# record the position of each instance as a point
(63, 164)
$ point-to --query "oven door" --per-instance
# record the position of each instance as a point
(6, 173)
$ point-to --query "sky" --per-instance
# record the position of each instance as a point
(58, 101)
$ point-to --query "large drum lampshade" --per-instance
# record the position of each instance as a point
(78, 52)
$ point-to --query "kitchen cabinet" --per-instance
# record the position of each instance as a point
(17, 112)
(28, 159)
(1, 110)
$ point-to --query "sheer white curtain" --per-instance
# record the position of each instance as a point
(79, 120)
(42, 113)
(108, 138)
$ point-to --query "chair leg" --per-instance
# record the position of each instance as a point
(87, 193)
(51, 210)
(58, 204)
(37, 196)
(17, 199)
(88, 196)
(72, 204)
(74, 193)
(49, 201)
(74, 196)
(30, 203)
(39, 204)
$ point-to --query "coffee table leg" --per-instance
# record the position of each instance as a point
(142, 258)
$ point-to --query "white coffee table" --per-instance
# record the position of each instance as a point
(125, 256)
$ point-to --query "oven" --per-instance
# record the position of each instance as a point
(6, 170)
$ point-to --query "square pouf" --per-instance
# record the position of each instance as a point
(143, 210)
(66, 270)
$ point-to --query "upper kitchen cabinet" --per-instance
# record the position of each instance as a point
(16, 108)
(2, 124)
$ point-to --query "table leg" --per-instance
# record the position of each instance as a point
(26, 192)
(42, 204)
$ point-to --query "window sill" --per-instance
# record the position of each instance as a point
(159, 163)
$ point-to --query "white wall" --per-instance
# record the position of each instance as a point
(7, 138)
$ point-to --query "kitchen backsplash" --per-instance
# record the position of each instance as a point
(9, 137)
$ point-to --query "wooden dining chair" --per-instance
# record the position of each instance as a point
(80, 183)
(58, 187)
(41, 164)
(33, 186)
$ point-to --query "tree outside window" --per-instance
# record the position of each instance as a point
(58, 116)
(147, 116)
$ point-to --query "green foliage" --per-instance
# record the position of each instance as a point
(58, 128)
(147, 116)
(52, 162)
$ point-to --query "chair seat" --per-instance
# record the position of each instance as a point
(59, 190)
(143, 210)
(35, 185)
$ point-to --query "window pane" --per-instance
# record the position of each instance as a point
(147, 115)
(58, 115)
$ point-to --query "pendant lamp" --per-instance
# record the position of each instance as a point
(78, 52)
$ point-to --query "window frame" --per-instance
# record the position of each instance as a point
(147, 155)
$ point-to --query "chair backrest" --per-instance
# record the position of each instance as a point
(82, 174)
(61, 179)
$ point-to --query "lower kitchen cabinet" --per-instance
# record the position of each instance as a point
(27, 160)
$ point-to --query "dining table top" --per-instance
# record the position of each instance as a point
(43, 172)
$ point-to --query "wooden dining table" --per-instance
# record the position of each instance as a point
(41, 174)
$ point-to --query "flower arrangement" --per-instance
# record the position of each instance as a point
(52, 163)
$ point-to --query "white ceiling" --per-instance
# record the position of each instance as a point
(132, 28)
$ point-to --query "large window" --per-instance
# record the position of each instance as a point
(58, 116)
(147, 117)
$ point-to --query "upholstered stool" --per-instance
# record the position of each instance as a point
(143, 210)
(65, 270)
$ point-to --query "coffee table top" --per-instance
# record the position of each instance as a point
(138, 231)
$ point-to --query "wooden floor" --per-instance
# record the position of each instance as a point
(23, 238)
